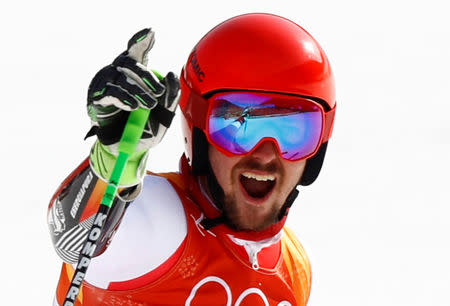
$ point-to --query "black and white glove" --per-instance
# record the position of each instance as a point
(124, 86)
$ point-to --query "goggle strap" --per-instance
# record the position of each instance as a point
(329, 123)
(197, 116)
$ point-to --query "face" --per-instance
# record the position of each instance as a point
(255, 185)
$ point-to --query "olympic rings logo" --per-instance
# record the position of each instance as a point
(239, 300)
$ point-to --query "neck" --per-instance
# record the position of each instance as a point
(260, 248)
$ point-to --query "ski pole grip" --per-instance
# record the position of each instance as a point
(133, 130)
(127, 146)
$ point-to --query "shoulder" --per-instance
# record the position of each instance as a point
(297, 263)
(152, 229)
(294, 247)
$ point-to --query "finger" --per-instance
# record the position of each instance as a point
(103, 91)
(140, 44)
(142, 97)
(109, 84)
(97, 87)
(164, 111)
(138, 72)
(104, 112)
(172, 90)
(116, 96)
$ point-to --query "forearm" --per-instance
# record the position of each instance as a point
(73, 207)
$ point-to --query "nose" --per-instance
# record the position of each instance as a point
(266, 151)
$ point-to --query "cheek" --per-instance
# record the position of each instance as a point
(222, 167)
(293, 172)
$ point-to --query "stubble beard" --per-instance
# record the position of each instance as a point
(245, 217)
(248, 220)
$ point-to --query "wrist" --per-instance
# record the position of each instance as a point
(102, 161)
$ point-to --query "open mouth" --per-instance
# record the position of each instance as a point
(256, 185)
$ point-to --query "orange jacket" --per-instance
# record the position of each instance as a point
(208, 269)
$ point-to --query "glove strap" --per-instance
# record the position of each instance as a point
(162, 115)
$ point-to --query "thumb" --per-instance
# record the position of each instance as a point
(140, 44)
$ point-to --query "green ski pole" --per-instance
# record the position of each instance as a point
(127, 146)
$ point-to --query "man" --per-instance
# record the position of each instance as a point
(257, 103)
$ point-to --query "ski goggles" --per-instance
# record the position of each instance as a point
(237, 122)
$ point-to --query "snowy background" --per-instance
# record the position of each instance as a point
(376, 224)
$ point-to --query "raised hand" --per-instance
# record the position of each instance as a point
(127, 84)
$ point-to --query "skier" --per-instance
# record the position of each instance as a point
(257, 108)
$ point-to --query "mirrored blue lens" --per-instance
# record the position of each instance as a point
(239, 121)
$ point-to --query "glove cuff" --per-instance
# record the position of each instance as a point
(102, 162)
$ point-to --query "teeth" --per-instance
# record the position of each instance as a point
(259, 177)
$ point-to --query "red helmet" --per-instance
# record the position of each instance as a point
(254, 52)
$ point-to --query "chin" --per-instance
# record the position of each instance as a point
(251, 222)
